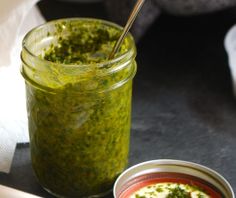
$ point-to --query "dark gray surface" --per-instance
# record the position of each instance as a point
(183, 106)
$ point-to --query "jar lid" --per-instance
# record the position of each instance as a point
(174, 172)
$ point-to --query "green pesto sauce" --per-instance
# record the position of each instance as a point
(79, 140)
(84, 45)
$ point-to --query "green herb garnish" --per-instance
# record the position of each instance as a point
(178, 192)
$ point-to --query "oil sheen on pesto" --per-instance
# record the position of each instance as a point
(79, 132)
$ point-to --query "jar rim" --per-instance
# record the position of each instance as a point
(129, 53)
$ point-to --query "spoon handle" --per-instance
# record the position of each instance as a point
(127, 27)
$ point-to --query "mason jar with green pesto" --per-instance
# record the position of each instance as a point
(78, 104)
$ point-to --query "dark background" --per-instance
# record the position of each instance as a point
(183, 105)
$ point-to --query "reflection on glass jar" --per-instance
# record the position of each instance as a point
(78, 108)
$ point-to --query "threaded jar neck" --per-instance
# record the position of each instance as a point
(50, 75)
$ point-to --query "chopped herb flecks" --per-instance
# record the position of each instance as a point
(169, 190)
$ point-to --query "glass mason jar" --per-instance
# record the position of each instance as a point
(78, 114)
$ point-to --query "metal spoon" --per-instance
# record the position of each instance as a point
(127, 27)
